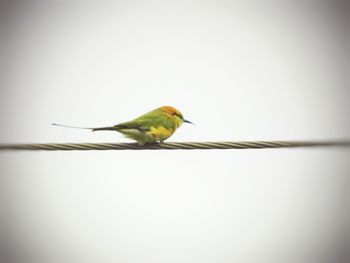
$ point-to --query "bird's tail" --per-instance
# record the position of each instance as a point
(110, 128)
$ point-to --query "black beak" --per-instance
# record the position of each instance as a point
(188, 121)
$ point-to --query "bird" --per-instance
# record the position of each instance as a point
(154, 127)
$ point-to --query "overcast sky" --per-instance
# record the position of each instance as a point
(240, 70)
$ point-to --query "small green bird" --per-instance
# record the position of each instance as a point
(152, 127)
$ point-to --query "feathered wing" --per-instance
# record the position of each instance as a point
(146, 121)
(140, 129)
(134, 124)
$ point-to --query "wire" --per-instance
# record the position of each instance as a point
(172, 145)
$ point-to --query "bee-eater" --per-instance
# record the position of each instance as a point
(152, 127)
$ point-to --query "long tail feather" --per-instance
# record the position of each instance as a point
(111, 128)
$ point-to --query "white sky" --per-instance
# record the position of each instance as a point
(238, 71)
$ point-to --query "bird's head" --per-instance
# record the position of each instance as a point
(176, 114)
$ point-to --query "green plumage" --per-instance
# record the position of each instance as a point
(154, 126)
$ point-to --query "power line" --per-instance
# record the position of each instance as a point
(173, 145)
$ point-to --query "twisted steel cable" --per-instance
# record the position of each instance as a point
(172, 145)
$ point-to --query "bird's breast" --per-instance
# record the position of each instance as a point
(160, 133)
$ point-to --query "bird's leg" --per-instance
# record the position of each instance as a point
(140, 143)
(154, 143)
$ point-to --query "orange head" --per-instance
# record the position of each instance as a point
(175, 113)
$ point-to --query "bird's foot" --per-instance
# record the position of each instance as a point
(153, 144)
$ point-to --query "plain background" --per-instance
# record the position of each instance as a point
(240, 70)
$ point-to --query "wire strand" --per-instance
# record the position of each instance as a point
(172, 145)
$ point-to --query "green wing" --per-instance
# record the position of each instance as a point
(148, 120)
